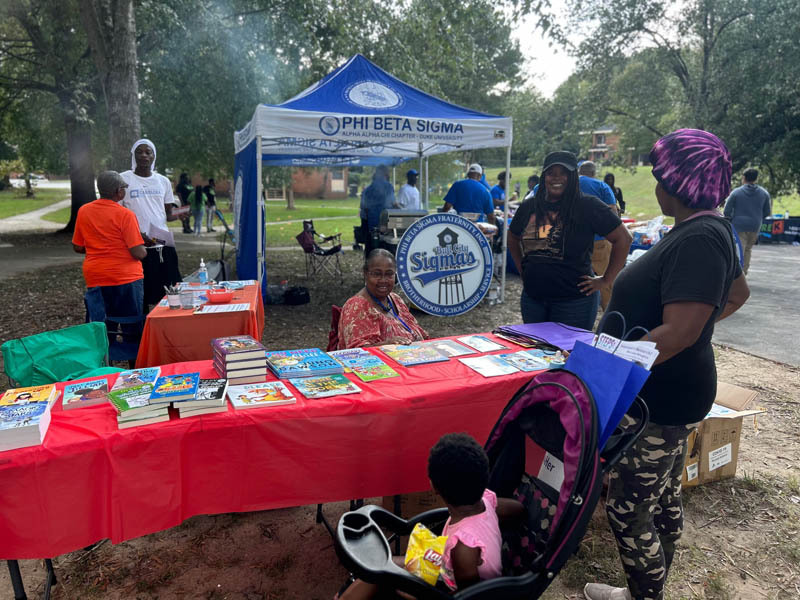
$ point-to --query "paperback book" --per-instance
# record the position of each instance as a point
(307, 362)
(414, 354)
(269, 393)
(322, 387)
(135, 377)
(87, 393)
(448, 347)
(159, 417)
(341, 356)
(489, 366)
(23, 424)
(173, 388)
(237, 347)
(27, 395)
(133, 401)
(230, 372)
(524, 361)
(210, 394)
(208, 410)
(481, 343)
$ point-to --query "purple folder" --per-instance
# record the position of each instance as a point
(556, 334)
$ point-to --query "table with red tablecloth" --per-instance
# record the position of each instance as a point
(182, 335)
(90, 480)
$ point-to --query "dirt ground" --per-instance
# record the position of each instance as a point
(742, 537)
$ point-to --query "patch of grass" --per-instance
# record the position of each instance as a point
(793, 483)
(13, 201)
(717, 587)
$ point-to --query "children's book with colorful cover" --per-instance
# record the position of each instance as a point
(27, 395)
(253, 395)
(135, 377)
(349, 354)
(237, 347)
(489, 366)
(481, 343)
(524, 361)
(322, 387)
(169, 388)
(414, 354)
(23, 424)
(86, 393)
(370, 369)
(133, 401)
(305, 362)
(210, 393)
(448, 347)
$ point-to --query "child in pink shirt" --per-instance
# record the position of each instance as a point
(458, 469)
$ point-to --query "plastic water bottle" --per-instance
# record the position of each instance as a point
(202, 273)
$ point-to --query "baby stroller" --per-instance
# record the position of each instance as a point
(543, 452)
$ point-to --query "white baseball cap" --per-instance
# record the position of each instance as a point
(475, 168)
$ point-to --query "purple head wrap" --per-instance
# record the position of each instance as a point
(694, 166)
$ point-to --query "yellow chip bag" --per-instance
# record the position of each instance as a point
(424, 553)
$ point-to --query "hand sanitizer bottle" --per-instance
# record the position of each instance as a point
(202, 273)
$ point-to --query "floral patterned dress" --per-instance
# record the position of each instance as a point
(364, 323)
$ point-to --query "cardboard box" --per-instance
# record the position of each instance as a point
(713, 450)
(413, 504)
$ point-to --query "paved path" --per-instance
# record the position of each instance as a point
(32, 221)
(767, 325)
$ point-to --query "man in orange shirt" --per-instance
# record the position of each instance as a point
(108, 234)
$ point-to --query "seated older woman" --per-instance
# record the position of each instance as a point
(376, 315)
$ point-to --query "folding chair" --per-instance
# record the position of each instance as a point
(71, 353)
(320, 260)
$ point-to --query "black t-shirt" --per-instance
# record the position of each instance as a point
(695, 262)
(211, 195)
(554, 262)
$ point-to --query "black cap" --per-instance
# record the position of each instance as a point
(566, 159)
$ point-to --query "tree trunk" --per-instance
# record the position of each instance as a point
(81, 171)
(289, 198)
(111, 28)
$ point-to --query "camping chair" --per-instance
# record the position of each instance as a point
(124, 332)
(319, 259)
(551, 420)
(72, 353)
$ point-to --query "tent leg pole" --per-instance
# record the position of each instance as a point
(505, 226)
(260, 226)
(427, 185)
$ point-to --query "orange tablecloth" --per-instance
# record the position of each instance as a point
(90, 480)
(180, 335)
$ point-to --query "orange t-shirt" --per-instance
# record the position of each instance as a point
(107, 230)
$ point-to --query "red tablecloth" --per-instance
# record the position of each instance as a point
(91, 481)
(180, 335)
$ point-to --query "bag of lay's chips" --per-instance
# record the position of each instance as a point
(424, 553)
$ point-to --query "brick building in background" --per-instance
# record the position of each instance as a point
(604, 144)
(320, 183)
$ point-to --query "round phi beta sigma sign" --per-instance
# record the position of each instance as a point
(444, 264)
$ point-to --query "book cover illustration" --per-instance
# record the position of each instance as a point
(252, 395)
(87, 393)
(132, 398)
(212, 389)
(17, 416)
(322, 387)
(448, 348)
(525, 361)
(481, 343)
(26, 395)
(349, 354)
(371, 370)
(175, 387)
(489, 366)
(303, 362)
(135, 377)
(413, 354)
(237, 347)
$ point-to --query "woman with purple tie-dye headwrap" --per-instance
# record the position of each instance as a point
(677, 290)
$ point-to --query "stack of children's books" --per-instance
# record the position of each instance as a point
(307, 362)
(130, 396)
(365, 365)
(239, 359)
(25, 416)
(322, 387)
(209, 399)
(253, 395)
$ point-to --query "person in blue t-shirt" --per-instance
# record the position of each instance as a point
(470, 196)
(601, 253)
(376, 197)
(498, 192)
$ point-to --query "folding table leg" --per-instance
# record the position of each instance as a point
(16, 580)
(51, 578)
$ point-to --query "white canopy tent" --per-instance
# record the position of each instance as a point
(356, 115)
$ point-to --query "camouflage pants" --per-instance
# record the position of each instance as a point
(644, 507)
